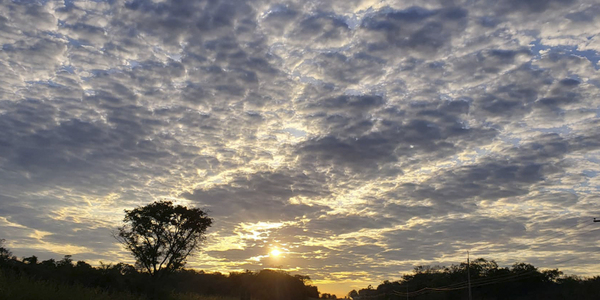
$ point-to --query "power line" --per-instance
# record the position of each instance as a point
(493, 280)
(469, 275)
(480, 282)
(485, 282)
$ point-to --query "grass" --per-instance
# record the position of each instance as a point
(24, 288)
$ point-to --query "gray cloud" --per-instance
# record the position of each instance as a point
(261, 197)
(391, 135)
(417, 29)
(355, 135)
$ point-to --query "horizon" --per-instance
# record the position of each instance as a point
(347, 140)
(343, 293)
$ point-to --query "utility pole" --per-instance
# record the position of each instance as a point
(469, 275)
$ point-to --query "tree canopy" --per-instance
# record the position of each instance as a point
(162, 235)
(488, 282)
(4, 252)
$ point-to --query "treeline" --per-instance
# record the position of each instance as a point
(124, 278)
(488, 282)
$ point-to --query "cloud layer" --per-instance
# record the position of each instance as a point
(359, 137)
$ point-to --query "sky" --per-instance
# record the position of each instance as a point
(358, 138)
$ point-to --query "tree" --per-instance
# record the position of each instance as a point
(66, 262)
(161, 235)
(32, 260)
(5, 254)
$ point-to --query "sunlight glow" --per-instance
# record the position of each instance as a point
(275, 252)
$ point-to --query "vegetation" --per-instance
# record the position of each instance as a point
(28, 278)
(488, 282)
(23, 287)
(4, 253)
(26, 288)
(161, 235)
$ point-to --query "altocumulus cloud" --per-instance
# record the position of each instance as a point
(360, 137)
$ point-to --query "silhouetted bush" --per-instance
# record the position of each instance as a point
(488, 282)
(122, 278)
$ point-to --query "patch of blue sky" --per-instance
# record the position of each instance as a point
(69, 3)
(295, 132)
(308, 79)
(590, 173)
(511, 140)
(74, 42)
(366, 90)
(591, 55)
(71, 41)
(53, 33)
(562, 130)
(44, 82)
(462, 159)
(96, 73)
(133, 64)
(42, 2)
(67, 68)
(175, 57)
(352, 21)
(278, 8)
(568, 190)
(171, 55)
(592, 157)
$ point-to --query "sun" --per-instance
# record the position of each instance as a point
(275, 252)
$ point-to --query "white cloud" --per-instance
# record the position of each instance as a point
(376, 134)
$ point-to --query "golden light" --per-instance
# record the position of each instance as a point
(275, 252)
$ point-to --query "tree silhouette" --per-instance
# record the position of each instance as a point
(33, 260)
(4, 252)
(161, 235)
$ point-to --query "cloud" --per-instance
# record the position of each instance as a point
(416, 29)
(390, 135)
(354, 135)
(265, 196)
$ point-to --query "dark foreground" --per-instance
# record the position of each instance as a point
(488, 282)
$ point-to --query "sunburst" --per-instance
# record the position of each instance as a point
(275, 252)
